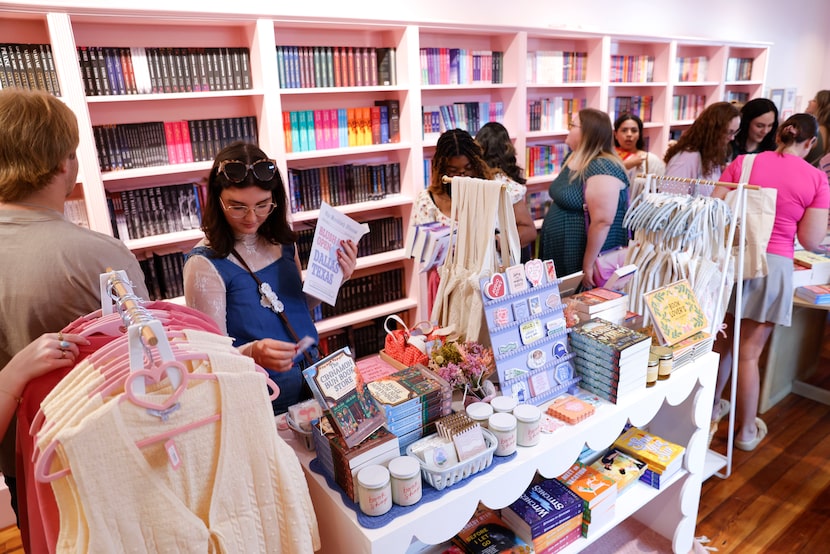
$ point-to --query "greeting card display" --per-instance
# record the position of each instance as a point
(526, 321)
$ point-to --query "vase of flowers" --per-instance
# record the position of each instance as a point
(466, 367)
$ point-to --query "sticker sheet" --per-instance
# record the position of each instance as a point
(526, 321)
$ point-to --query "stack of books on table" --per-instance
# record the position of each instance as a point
(620, 467)
(548, 516)
(342, 463)
(598, 493)
(814, 294)
(679, 321)
(412, 400)
(663, 458)
(611, 360)
(818, 263)
(606, 304)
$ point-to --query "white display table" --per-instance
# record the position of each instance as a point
(677, 409)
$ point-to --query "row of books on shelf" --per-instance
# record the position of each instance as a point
(691, 69)
(739, 69)
(154, 211)
(632, 69)
(538, 203)
(687, 106)
(553, 513)
(641, 106)
(385, 235)
(736, 97)
(363, 292)
(545, 159)
(29, 66)
(336, 66)
(554, 67)
(339, 185)
(365, 339)
(163, 275)
(139, 70)
(74, 210)
(308, 130)
(459, 66)
(155, 143)
(470, 116)
(552, 114)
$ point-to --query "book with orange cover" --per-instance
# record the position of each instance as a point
(570, 409)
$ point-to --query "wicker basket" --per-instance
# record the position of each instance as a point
(301, 435)
(442, 478)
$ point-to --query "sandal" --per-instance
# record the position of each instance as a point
(713, 428)
(723, 409)
(760, 433)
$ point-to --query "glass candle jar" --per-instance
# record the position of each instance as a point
(374, 491)
(665, 356)
(405, 473)
(653, 368)
(503, 404)
(528, 424)
(480, 412)
(503, 426)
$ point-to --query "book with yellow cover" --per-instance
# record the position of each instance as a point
(676, 312)
(661, 455)
(621, 467)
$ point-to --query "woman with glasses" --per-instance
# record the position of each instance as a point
(590, 196)
(245, 274)
(703, 150)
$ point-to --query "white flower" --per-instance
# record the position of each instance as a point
(270, 299)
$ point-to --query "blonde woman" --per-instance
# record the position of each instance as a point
(590, 196)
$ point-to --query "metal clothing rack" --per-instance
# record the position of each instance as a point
(739, 270)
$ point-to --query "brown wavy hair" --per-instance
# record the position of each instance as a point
(457, 142)
(704, 136)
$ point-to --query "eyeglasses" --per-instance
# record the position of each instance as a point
(571, 125)
(236, 171)
(731, 133)
(239, 212)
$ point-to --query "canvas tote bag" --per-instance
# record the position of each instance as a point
(475, 207)
(760, 218)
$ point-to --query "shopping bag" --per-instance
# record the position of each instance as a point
(760, 219)
(477, 204)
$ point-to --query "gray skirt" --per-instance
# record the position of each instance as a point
(770, 298)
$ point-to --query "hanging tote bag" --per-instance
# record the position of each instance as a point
(476, 205)
(760, 218)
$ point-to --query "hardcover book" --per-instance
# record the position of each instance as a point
(661, 455)
(590, 485)
(621, 467)
(339, 389)
(543, 506)
(676, 312)
(487, 533)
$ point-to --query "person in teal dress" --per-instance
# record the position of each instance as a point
(590, 197)
(246, 227)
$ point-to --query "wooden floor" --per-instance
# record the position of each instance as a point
(777, 499)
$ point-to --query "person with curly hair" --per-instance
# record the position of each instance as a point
(702, 151)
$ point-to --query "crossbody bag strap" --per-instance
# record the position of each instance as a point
(281, 314)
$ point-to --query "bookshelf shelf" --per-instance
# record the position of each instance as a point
(117, 98)
(191, 236)
(338, 322)
(345, 152)
(155, 171)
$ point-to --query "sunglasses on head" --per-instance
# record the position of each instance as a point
(235, 171)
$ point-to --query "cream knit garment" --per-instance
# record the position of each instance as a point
(238, 488)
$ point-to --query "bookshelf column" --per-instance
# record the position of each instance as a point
(72, 91)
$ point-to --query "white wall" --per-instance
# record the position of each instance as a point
(797, 29)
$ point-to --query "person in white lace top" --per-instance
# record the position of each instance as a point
(246, 273)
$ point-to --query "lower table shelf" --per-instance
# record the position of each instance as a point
(677, 409)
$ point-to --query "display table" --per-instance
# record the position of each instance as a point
(677, 409)
(791, 355)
